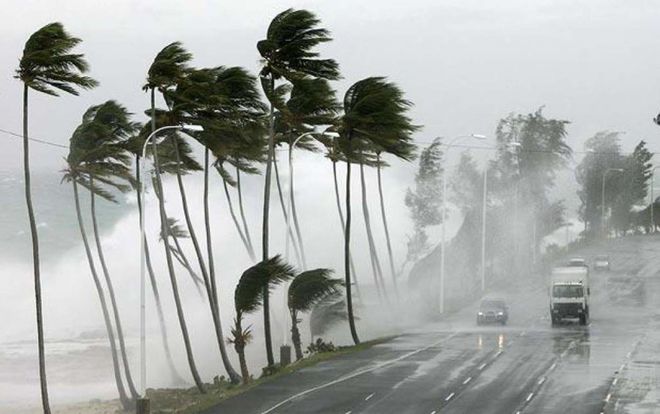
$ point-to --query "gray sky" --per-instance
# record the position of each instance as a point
(463, 63)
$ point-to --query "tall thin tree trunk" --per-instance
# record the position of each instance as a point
(387, 231)
(176, 377)
(247, 245)
(113, 299)
(294, 214)
(295, 336)
(125, 401)
(231, 372)
(375, 262)
(264, 229)
(246, 229)
(168, 257)
(43, 382)
(347, 248)
(294, 243)
(343, 227)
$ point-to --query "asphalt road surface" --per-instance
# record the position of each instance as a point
(526, 366)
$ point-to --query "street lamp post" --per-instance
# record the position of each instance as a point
(288, 219)
(484, 205)
(602, 200)
(444, 217)
(143, 241)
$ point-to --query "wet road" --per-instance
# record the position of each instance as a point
(456, 367)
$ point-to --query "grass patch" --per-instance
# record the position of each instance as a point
(190, 401)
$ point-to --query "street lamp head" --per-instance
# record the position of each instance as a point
(191, 127)
(618, 169)
(478, 136)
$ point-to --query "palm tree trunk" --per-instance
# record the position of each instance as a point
(125, 401)
(264, 228)
(246, 229)
(43, 382)
(343, 227)
(347, 248)
(176, 377)
(375, 262)
(294, 214)
(239, 346)
(231, 372)
(295, 336)
(186, 215)
(113, 299)
(387, 231)
(168, 257)
(296, 249)
(247, 245)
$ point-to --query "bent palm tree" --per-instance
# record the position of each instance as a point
(249, 296)
(113, 163)
(47, 66)
(87, 153)
(227, 103)
(169, 66)
(374, 114)
(307, 290)
(288, 53)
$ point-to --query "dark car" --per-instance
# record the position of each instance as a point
(492, 311)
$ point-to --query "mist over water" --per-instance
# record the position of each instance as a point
(78, 357)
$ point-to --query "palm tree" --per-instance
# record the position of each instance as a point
(249, 296)
(115, 121)
(227, 102)
(47, 66)
(374, 114)
(169, 66)
(88, 153)
(288, 53)
(307, 290)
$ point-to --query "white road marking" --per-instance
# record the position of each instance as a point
(369, 396)
(349, 412)
(607, 399)
(358, 373)
(498, 353)
(449, 397)
(629, 355)
(432, 412)
(622, 367)
(615, 381)
(542, 380)
(482, 366)
(523, 333)
(467, 380)
(554, 364)
(530, 396)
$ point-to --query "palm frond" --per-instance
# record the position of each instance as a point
(249, 292)
(310, 288)
(48, 66)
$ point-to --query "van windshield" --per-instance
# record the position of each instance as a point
(567, 291)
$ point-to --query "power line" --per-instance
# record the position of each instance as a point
(40, 141)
